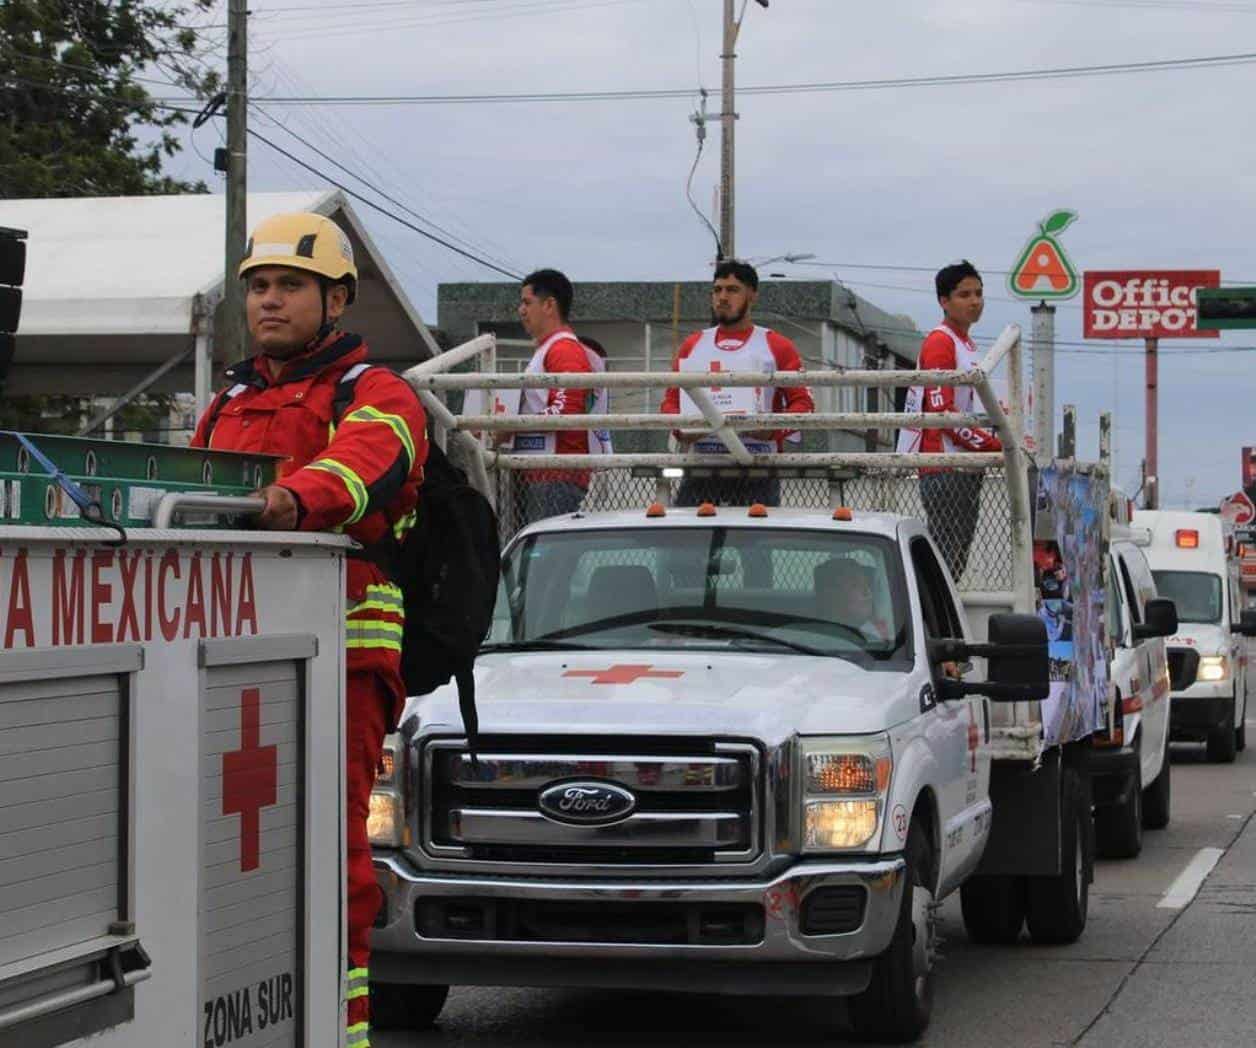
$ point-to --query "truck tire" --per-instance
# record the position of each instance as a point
(899, 1000)
(1119, 827)
(1223, 740)
(400, 1006)
(993, 908)
(1058, 905)
(1156, 796)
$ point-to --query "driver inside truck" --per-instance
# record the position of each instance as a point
(845, 595)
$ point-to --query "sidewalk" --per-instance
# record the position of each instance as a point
(1197, 983)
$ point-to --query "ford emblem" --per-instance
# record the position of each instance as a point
(586, 803)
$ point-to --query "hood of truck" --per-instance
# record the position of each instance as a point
(766, 697)
(1205, 637)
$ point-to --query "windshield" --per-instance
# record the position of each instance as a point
(743, 589)
(1197, 594)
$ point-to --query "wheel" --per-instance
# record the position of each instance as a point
(898, 1001)
(993, 908)
(1240, 733)
(1119, 827)
(1223, 740)
(1156, 796)
(1057, 905)
(400, 1006)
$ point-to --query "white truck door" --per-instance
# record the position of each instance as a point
(959, 733)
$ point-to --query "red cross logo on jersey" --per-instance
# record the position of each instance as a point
(623, 674)
(250, 779)
(716, 366)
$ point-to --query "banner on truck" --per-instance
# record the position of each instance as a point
(1144, 303)
(1068, 573)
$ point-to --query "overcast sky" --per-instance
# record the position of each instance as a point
(1160, 166)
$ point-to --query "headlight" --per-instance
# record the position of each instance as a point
(1213, 668)
(845, 783)
(386, 822)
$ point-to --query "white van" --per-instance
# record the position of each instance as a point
(1129, 764)
(1191, 557)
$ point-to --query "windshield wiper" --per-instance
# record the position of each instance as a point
(714, 629)
(533, 645)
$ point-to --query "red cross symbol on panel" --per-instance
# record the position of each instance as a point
(623, 673)
(716, 366)
(250, 779)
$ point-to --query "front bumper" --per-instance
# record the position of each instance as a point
(1200, 709)
(1112, 771)
(783, 960)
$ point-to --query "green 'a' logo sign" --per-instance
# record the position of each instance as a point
(1043, 270)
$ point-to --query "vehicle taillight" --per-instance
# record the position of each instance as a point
(1187, 538)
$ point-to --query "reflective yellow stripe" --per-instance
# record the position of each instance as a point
(373, 626)
(393, 607)
(352, 482)
(384, 645)
(358, 1036)
(402, 526)
(396, 423)
(358, 991)
(358, 973)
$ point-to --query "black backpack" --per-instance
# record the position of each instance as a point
(447, 568)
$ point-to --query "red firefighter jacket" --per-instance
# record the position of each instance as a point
(359, 474)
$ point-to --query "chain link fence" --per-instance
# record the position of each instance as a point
(968, 513)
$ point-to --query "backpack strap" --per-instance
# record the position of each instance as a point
(345, 389)
(216, 408)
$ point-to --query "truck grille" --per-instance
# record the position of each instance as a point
(693, 802)
(1183, 665)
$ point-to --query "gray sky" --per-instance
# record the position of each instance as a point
(1160, 166)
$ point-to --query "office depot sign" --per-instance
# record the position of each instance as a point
(1144, 303)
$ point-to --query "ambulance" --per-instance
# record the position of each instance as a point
(1192, 557)
(171, 755)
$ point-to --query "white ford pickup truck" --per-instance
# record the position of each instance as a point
(743, 748)
(722, 751)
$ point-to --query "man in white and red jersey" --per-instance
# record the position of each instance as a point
(545, 299)
(736, 343)
(951, 498)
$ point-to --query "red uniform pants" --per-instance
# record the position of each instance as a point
(370, 705)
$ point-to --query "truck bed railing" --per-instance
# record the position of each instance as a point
(865, 480)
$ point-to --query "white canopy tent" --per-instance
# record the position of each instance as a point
(121, 292)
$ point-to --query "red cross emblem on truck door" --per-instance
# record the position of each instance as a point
(974, 737)
(250, 779)
(716, 366)
(623, 674)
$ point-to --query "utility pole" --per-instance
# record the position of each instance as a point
(1043, 353)
(728, 123)
(1151, 477)
(231, 340)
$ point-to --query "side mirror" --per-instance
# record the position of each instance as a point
(1246, 626)
(1018, 668)
(1159, 619)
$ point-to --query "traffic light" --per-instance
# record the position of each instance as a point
(12, 273)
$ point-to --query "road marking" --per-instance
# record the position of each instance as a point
(1235, 816)
(1183, 890)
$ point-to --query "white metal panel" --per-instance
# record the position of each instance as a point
(59, 863)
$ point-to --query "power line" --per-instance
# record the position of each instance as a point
(1058, 73)
(373, 188)
(382, 210)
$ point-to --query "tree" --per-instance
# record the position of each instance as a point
(77, 118)
(76, 94)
